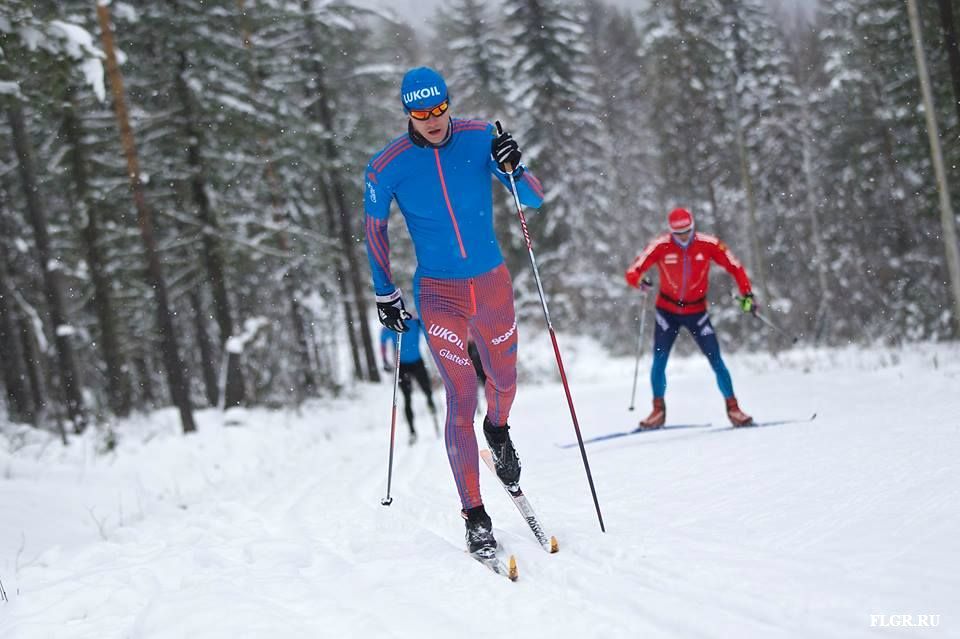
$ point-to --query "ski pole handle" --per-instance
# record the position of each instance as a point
(506, 165)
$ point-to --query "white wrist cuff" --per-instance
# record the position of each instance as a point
(391, 297)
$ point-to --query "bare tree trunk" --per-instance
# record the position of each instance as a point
(14, 373)
(947, 220)
(949, 27)
(816, 235)
(211, 233)
(351, 325)
(169, 345)
(118, 381)
(207, 356)
(147, 397)
(49, 269)
(33, 359)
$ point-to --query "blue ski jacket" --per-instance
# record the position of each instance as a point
(446, 197)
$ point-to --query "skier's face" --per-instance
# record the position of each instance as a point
(683, 239)
(434, 129)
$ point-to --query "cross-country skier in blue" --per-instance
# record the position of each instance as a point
(411, 368)
(440, 174)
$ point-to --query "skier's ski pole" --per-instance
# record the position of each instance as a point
(386, 501)
(766, 320)
(553, 336)
(643, 316)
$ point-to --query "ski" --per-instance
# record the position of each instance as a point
(635, 431)
(523, 505)
(778, 422)
(496, 565)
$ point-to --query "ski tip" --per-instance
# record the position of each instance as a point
(554, 545)
(512, 572)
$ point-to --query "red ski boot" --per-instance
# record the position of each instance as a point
(737, 416)
(657, 417)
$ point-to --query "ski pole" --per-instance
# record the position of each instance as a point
(386, 501)
(643, 316)
(763, 318)
(553, 335)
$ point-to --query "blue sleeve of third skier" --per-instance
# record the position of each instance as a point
(376, 205)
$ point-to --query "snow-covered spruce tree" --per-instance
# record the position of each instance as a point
(878, 172)
(199, 78)
(86, 151)
(813, 238)
(681, 55)
(765, 117)
(472, 55)
(631, 215)
(177, 379)
(36, 42)
(322, 71)
(19, 369)
(554, 106)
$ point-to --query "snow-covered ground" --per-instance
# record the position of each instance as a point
(274, 529)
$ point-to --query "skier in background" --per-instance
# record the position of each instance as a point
(412, 368)
(439, 172)
(477, 366)
(683, 258)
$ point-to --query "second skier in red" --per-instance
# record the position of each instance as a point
(683, 258)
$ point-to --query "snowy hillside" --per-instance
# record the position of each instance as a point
(274, 529)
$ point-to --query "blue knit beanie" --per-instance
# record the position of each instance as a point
(422, 88)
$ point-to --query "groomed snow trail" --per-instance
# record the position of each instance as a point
(274, 529)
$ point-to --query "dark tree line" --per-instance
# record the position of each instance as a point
(183, 226)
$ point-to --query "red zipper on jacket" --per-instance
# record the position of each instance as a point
(446, 197)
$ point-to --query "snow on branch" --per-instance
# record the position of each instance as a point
(251, 327)
(60, 38)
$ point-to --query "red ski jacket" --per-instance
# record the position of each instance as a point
(684, 271)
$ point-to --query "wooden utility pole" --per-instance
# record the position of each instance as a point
(169, 347)
(947, 220)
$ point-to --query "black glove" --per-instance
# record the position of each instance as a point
(391, 312)
(505, 151)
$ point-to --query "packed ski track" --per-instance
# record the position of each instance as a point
(274, 527)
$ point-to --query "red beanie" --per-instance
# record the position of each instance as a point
(680, 220)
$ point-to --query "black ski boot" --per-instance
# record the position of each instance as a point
(504, 455)
(480, 540)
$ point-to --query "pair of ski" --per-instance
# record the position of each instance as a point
(638, 431)
(489, 557)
